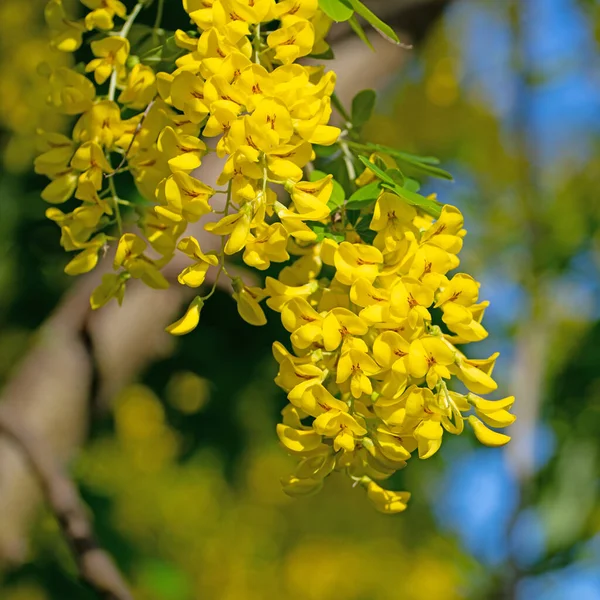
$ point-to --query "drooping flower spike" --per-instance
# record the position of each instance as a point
(366, 294)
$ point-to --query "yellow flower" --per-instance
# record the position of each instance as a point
(247, 299)
(392, 445)
(253, 83)
(314, 399)
(392, 218)
(112, 286)
(487, 436)
(194, 275)
(250, 11)
(303, 322)
(187, 95)
(190, 319)
(295, 487)
(103, 12)
(430, 357)
(447, 232)
(461, 314)
(280, 294)
(391, 351)
(375, 301)
(161, 233)
(299, 441)
(342, 427)
(266, 245)
(290, 43)
(356, 261)
(183, 197)
(236, 226)
(101, 124)
(429, 437)
(76, 227)
(61, 188)
(409, 299)
(386, 501)
(71, 92)
(140, 88)
(476, 374)
(493, 412)
(290, 11)
(86, 192)
(357, 366)
(111, 54)
(310, 198)
(87, 259)
(338, 325)
(130, 255)
(182, 152)
(90, 159)
(66, 35)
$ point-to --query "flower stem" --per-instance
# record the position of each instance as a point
(112, 90)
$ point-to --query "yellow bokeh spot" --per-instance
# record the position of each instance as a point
(187, 392)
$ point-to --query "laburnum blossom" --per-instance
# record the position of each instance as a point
(375, 371)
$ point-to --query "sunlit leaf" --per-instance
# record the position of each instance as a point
(362, 107)
(338, 10)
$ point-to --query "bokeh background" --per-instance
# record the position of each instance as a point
(178, 460)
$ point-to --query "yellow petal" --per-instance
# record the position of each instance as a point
(387, 501)
(298, 441)
(487, 436)
(189, 321)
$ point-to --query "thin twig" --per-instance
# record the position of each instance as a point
(96, 567)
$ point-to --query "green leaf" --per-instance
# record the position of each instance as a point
(424, 167)
(338, 237)
(378, 171)
(412, 184)
(338, 10)
(337, 104)
(424, 164)
(359, 31)
(337, 196)
(428, 160)
(364, 230)
(362, 107)
(325, 151)
(360, 204)
(373, 20)
(316, 175)
(425, 204)
(396, 175)
(364, 196)
(322, 233)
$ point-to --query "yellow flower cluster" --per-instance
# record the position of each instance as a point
(23, 109)
(367, 378)
(368, 381)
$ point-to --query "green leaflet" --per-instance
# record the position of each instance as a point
(362, 107)
(375, 22)
(338, 10)
(429, 206)
(364, 196)
(425, 164)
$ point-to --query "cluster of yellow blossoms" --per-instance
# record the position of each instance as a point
(367, 376)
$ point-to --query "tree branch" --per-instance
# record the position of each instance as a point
(96, 567)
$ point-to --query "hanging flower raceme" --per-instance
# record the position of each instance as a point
(365, 292)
